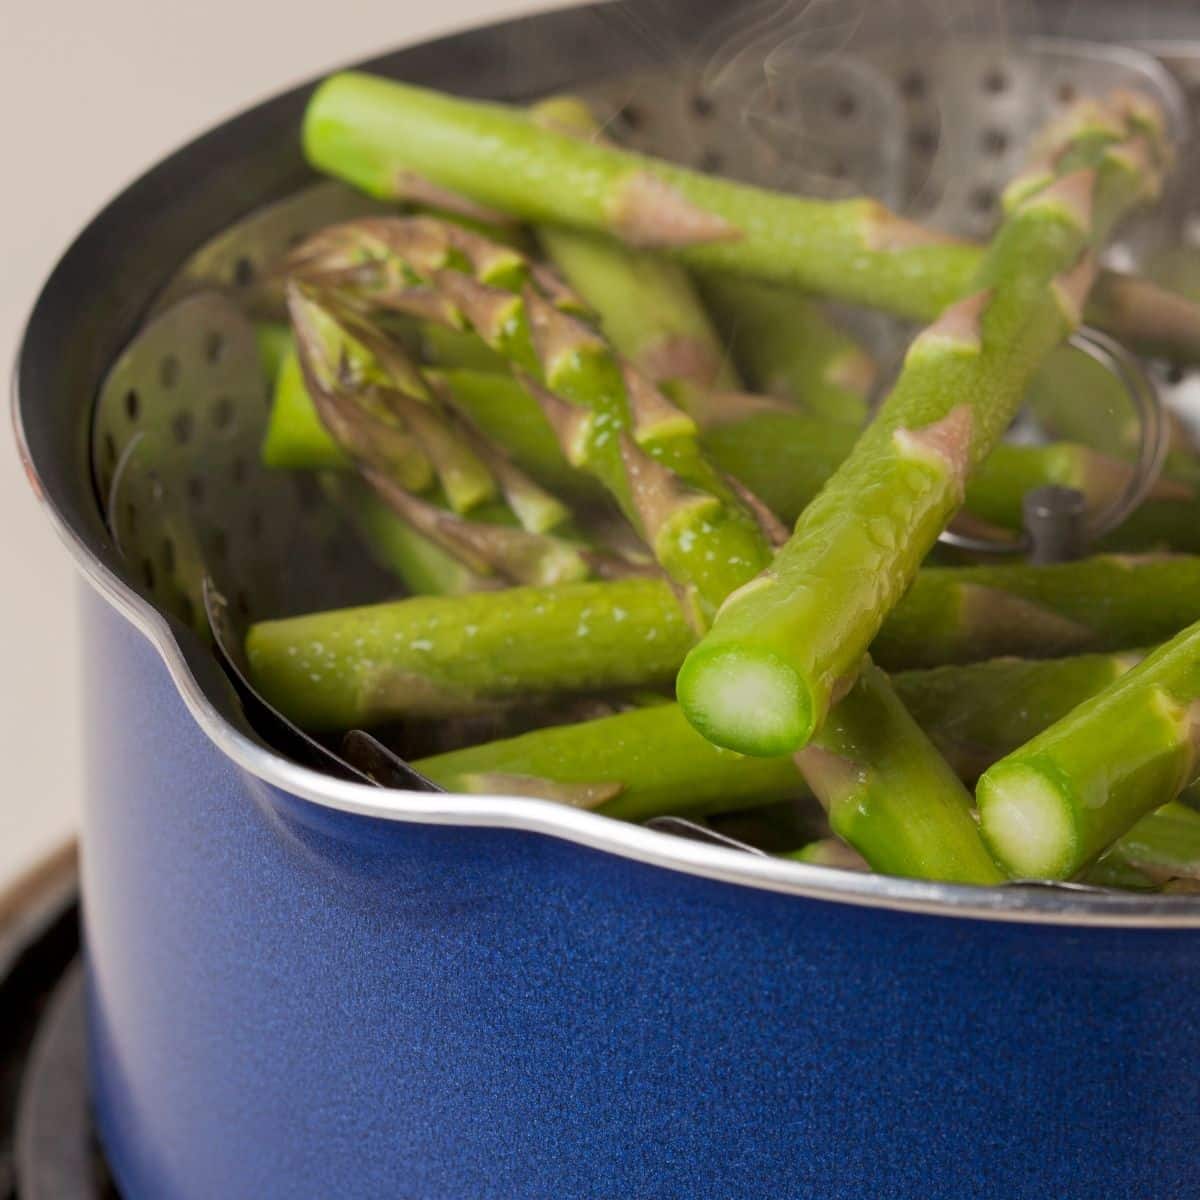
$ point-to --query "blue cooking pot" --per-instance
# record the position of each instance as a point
(303, 987)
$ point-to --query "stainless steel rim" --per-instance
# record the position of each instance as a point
(1037, 905)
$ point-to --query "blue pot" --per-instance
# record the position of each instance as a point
(302, 987)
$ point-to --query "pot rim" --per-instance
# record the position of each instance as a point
(1034, 904)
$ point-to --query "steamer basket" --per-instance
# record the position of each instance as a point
(301, 986)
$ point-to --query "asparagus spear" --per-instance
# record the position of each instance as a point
(378, 135)
(830, 852)
(634, 765)
(1089, 605)
(430, 656)
(1161, 847)
(786, 346)
(963, 614)
(762, 679)
(610, 419)
(648, 306)
(1053, 806)
(902, 808)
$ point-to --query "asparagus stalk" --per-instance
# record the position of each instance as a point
(432, 656)
(786, 346)
(978, 713)
(274, 344)
(1161, 847)
(1089, 605)
(649, 308)
(900, 806)
(610, 419)
(1105, 603)
(1053, 806)
(378, 135)
(634, 765)
(762, 679)
(830, 852)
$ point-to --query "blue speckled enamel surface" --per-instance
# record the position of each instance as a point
(290, 1002)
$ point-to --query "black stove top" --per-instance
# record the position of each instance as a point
(47, 1148)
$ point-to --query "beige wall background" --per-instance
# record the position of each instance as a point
(90, 94)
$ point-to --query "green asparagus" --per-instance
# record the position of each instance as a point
(1161, 847)
(379, 135)
(761, 681)
(649, 309)
(1054, 805)
(785, 346)
(431, 656)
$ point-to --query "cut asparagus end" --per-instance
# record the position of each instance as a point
(1027, 822)
(753, 703)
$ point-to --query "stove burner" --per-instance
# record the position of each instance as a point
(47, 1148)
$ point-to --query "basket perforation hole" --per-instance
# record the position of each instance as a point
(148, 574)
(295, 238)
(218, 544)
(168, 371)
(242, 602)
(712, 160)
(131, 518)
(187, 610)
(243, 272)
(631, 117)
(195, 489)
(167, 556)
(983, 200)
(182, 426)
(1175, 375)
(254, 524)
(703, 106)
(994, 142)
(222, 412)
(923, 140)
(1067, 92)
(308, 493)
(133, 404)
(838, 169)
(214, 346)
(110, 450)
(913, 85)
(845, 106)
(995, 81)
(237, 470)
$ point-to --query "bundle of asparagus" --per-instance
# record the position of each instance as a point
(561, 455)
